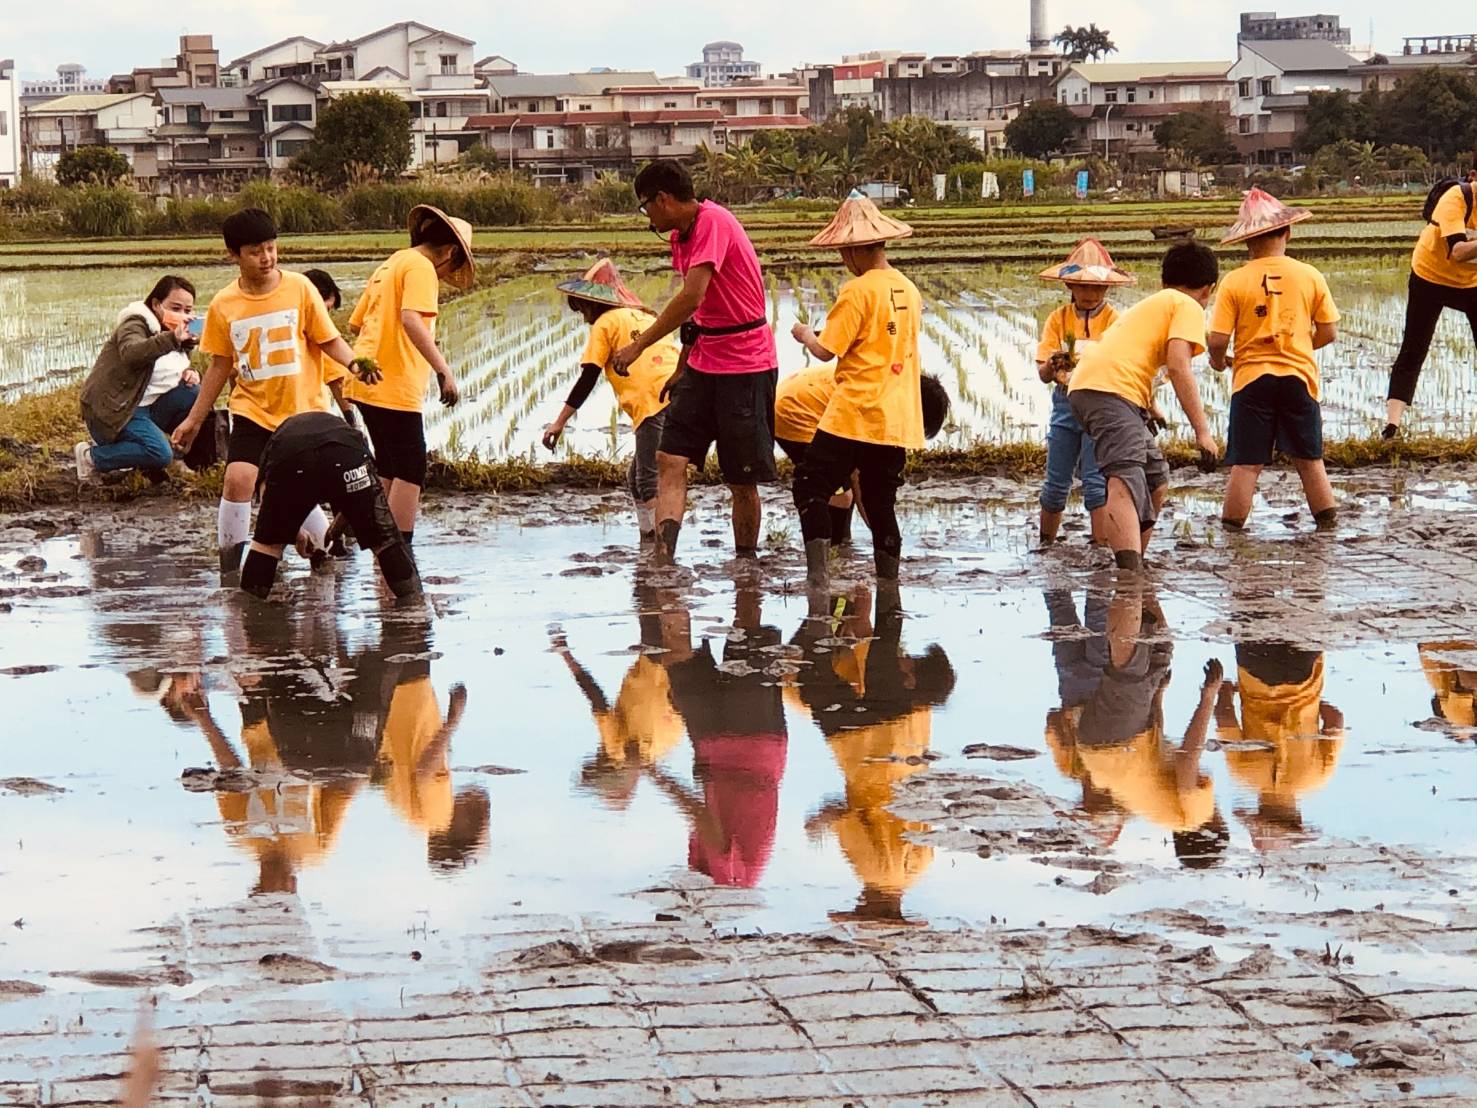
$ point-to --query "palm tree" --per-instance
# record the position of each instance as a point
(746, 168)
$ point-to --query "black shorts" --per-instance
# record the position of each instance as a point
(735, 410)
(248, 440)
(399, 440)
(795, 451)
(334, 473)
(1274, 411)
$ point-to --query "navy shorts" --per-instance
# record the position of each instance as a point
(735, 410)
(1274, 411)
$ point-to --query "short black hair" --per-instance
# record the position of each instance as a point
(1189, 265)
(1280, 232)
(248, 227)
(325, 284)
(935, 405)
(432, 230)
(579, 304)
(665, 176)
(166, 285)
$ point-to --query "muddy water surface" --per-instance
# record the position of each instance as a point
(562, 732)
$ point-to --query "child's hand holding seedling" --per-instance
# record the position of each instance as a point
(367, 370)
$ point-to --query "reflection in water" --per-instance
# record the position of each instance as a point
(1109, 730)
(874, 703)
(317, 721)
(1451, 669)
(1291, 736)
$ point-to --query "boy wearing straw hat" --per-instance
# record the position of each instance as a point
(1111, 394)
(1278, 311)
(617, 316)
(875, 414)
(1088, 273)
(396, 321)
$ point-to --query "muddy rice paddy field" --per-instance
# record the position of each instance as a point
(580, 831)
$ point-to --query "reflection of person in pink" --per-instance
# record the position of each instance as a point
(736, 721)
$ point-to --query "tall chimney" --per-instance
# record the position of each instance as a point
(1040, 36)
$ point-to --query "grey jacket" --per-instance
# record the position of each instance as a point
(122, 372)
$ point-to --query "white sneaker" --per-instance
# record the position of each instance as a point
(82, 452)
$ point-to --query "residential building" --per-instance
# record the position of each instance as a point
(291, 57)
(1265, 26)
(973, 87)
(1440, 44)
(125, 121)
(1122, 103)
(197, 65)
(422, 55)
(289, 112)
(744, 109)
(723, 63)
(71, 80)
(615, 129)
(494, 65)
(1386, 72)
(10, 125)
(558, 92)
(1273, 80)
(209, 140)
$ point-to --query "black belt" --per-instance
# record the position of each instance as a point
(691, 331)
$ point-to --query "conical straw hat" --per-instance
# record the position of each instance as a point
(1262, 212)
(421, 214)
(859, 223)
(1088, 264)
(602, 284)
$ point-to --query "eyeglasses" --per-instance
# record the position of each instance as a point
(641, 207)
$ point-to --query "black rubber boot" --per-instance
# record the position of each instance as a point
(840, 526)
(231, 558)
(887, 565)
(1390, 431)
(817, 565)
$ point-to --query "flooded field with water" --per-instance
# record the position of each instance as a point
(517, 348)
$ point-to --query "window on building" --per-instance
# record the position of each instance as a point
(1110, 96)
(225, 115)
(533, 105)
(286, 148)
(192, 113)
(4, 124)
(448, 63)
(1133, 95)
(292, 113)
(1264, 86)
(1243, 88)
(669, 103)
(548, 140)
(587, 107)
(1243, 125)
(420, 57)
(442, 111)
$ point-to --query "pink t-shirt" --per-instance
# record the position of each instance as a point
(735, 295)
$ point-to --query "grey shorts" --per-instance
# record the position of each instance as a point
(1125, 447)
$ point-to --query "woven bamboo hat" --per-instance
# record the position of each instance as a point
(1088, 264)
(859, 223)
(602, 284)
(421, 216)
(1261, 212)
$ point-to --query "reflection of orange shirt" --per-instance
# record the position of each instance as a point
(420, 793)
(1455, 688)
(1287, 716)
(1141, 778)
(643, 720)
(873, 839)
(300, 822)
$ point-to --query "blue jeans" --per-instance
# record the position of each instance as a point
(1070, 453)
(144, 440)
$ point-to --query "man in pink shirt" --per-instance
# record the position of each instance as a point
(723, 390)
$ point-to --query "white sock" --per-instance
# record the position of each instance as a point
(316, 525)
(645, 519)
(233, 524)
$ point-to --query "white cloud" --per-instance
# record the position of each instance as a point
(578, 34)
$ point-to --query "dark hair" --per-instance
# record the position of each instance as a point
(432, 230)
(1189, 265)
(457, 845)
(579, 304)
(665, 176)
(1267, 236)
(248, 227)
(166, 285)
(325, 284)
(1203, 847)
(935, 405)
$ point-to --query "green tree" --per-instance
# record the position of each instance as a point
(1197, 136)
(1080, 44)
(1433, 109)
(91, 165)
(358, 133)
(1333, 116)
(1044, 128)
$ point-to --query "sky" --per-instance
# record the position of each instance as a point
(108, 37)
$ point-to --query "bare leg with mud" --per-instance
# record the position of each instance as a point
(671, 503)
(746, 517)
(1157, 498)
(1318, 490)
(1122, 526)
(1240, 490)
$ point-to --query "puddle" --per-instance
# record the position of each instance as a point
(617, 747)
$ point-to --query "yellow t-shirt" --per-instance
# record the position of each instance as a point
(800, 401)
(1302, 759)
(1065, 321)
(638, 393)
(421, 793)
(873, 331)
(1269, 306)
(643, 724)
(1431, 259)
(406, 281)
(1141, 779)
(1133, 351)
(274, 342)
(1455, 689)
